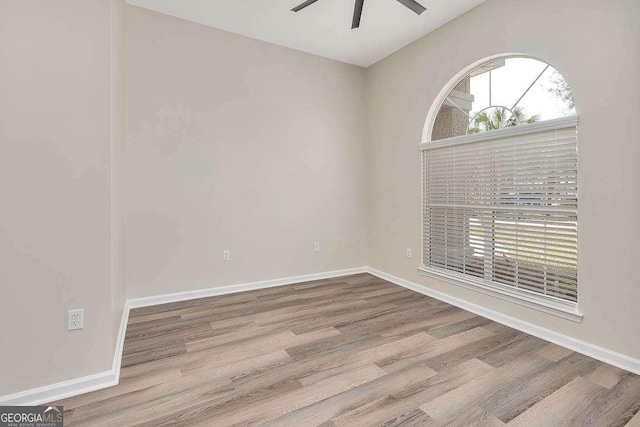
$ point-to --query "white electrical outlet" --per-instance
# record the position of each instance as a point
(226, 255)
(75, 319)
(409, 254)
(316, 246)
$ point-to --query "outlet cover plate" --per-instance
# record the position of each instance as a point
(75, 319)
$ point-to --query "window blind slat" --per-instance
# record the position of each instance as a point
(503, 210)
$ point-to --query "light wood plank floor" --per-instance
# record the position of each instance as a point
(352, 351)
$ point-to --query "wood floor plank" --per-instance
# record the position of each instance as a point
(454, 327)
(413, 418)
(420, 355)
(123, 388)
(169, 337)
(390, 319)
(343, 342)
(393, 405)
(275, 408)
(344, 318)
(236, 367)
(140, 407)
(143, 322)
(501, 355)
(317, 367)
(446, 408)
(206, 412)
(560, 408)
(150, 355)
(238, 334)
(439, 318)
(635, 421)
(328, 409)
(615, 407)
(553, 352)
(246, 349)
(398, 297)
(475, 416)
(606, 376)
(127, 402)
(474, 349)
(372, 355)
(384, 351)
(532, 388)
(347, 351)
(289, 316)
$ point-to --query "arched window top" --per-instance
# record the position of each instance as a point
(500, 93)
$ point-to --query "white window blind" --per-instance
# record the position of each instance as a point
(501, 210)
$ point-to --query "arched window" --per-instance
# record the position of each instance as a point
(500, 194)
(501, 93)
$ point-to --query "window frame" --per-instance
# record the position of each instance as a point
(564, 309)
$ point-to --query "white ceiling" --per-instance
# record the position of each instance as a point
(323, 28)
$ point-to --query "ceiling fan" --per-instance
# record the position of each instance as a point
(357, 12)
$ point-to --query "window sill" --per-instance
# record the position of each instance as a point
(565, 310)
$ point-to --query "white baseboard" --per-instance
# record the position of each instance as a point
(122, 332)
(63, 390)
(66, 389)
(243, 287)
(608, 356)
(77, 386)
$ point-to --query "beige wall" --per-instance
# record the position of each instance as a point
(237, 144)
(55, 190)
(595, 46)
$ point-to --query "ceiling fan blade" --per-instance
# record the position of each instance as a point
(413, 5)
(357, 14)
(303, 5)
